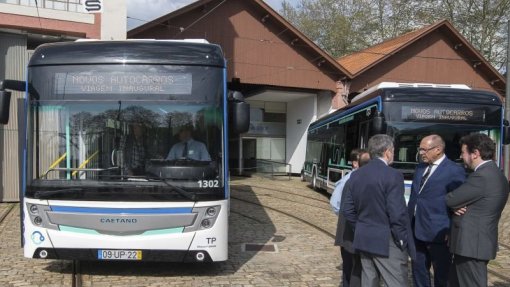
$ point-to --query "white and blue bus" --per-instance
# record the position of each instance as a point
(92, 189)
(407, 112)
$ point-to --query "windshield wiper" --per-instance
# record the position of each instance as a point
(50, 193)
(179, 190)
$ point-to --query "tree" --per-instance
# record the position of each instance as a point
(343, 27)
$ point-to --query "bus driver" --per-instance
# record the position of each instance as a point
(188, 148)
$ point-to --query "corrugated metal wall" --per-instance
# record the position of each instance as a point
(13, 62)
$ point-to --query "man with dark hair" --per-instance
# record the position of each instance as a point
(375, 206)
(430, 217)
(474, 232)
(351, 264)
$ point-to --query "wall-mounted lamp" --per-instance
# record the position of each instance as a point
(294, 41)
(457, 46)
(264, 18)
(476, 64)
(494, 81)
(321, 62)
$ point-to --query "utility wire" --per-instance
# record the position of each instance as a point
(203, 16)
(38, 16)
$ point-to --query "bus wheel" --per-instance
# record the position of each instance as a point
(303, 175)
(314, 180)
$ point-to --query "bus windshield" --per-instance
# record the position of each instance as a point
(139, 133)
(407, 138)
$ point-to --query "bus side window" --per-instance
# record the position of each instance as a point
(363, 134)
(402, 154)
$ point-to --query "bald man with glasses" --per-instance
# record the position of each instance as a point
(430, 218)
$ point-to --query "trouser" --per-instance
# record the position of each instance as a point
(351, 269)
(392, 269)
(467, 272)
(431, 254)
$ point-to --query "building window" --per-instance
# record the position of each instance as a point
(63, 5)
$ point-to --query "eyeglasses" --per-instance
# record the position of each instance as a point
(426, 149)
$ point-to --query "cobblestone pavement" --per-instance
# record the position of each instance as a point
(296, 219)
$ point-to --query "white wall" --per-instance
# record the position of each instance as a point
(113, 20)
(304, 110)
(324, 103)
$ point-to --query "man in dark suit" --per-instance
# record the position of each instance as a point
(351, 263)
(474, 234)
(430, 217)
(375, 206)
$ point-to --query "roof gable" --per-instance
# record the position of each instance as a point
(362, 61)
(322, 57)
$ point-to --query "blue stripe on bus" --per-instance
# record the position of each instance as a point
(121, 210)
(226, 180)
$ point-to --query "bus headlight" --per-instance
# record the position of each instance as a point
(33, 209)
(206, 223)
(43, 254)
(211, 211)
(200, 256)
(37, 220)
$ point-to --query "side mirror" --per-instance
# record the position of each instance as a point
(235, 96)
(5, 102)
(506, 132)
(239, 117)
(378, 124)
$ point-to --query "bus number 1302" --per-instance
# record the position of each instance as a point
(208, 183)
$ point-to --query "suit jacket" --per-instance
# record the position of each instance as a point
(375, 206)
(485, 193)
(432, 217)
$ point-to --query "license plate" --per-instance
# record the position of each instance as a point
(105, 254)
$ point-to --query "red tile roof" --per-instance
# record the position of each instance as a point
(362, 60)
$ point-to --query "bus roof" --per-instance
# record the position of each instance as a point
(389, 93)
(385, 85)
(154, 52)
(452, 94)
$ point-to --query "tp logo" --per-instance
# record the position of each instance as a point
(93, 6)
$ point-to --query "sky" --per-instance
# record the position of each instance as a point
(147, 10)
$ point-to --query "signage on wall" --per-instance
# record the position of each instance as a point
(93, 6)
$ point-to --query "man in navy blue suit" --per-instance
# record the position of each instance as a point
(375, 206)
(430, 219)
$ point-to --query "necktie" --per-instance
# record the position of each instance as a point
(426, 175)
(185, 150)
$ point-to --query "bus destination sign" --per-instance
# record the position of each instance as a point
(443, 114)
(123, 83)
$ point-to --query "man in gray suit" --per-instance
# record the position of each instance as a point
(474, 234)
